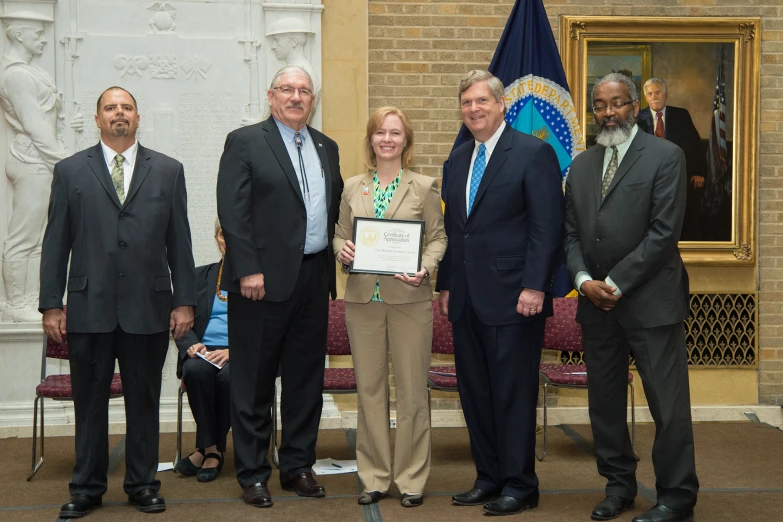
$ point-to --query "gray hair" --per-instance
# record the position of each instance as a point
(656, 80)
(218, 228)
(290, 69)
(616, 78)
(477, 76)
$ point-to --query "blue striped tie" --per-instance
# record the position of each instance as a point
(479, 166)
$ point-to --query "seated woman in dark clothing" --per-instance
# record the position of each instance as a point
(207, 385)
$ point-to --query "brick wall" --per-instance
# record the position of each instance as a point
(419, 49)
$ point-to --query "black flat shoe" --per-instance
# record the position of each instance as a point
(186, 467)
(370, 497)
(506, 505)
(148, 501)
(661, 513)
(79, 505)
(210, 474)
(611, 507)
(474, 497)
(412, 499)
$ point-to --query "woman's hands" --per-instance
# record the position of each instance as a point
(345, 255)
(219, 357)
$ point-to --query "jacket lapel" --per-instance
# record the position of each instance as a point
(275, 141)
(496, 160)
(458, 170)
(367, 196)
(140, 171)
(597, 173)
(327, 171)
(631, 156)
(97, 164)
(399, 195)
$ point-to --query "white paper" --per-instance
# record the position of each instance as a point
(334, 467)
(210, 362)
(165, 466)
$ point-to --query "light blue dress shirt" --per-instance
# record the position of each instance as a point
(216, 333)
(315, 237)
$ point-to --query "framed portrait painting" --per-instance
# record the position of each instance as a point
(690, 75)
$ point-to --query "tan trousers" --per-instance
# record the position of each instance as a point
(374, 330)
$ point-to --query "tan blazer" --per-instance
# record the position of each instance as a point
(416, 198)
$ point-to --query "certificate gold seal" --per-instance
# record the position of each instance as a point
(369, 236)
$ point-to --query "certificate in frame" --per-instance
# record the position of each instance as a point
(387, 246)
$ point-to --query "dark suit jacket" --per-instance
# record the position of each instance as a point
(206, 286)
(120, 254)
(632, 235)
(680, 130)
(513, 235)
(262, 211)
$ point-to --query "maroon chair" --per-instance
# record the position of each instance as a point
(442, 378)
(57, 387)
(564, 334)
(336, 380)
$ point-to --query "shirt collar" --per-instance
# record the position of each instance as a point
(662, 110)
(493, 140)
(288, 133)
(129, 154)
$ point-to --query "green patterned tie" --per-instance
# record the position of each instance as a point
(118, 178)
(610, 170)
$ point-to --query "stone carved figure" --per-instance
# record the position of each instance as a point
(289, 37)
(30, 100)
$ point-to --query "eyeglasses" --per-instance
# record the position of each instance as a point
(617, 105)
(287, 90)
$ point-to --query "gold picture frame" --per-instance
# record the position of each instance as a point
(729, 238)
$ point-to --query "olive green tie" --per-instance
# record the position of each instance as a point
(118, 178)
(610, 170)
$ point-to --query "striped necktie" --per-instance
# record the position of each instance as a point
(118, 177)
(659, 130)
(610, 170)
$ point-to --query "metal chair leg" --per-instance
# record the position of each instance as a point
(633, 423)
(540, 456)
(35, 466)
(275, 457)
(178, 456)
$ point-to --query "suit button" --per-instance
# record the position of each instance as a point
(120, 276)
(122, 215)
(123, 244)
(598, 239)
(301, 247)
(467, 236)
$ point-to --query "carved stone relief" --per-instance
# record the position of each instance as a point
(163, 21)
(131, 65)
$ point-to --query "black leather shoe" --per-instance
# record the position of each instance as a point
(611, 507)
(257, 495)
(305, 486)
(210, 474)
(661, 513)
(506, 505)
(474, 497)
(79, 505)
(148, 501)
(412, 499)
(186, 467)
(370, 497)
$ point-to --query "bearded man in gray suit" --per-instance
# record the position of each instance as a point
(625, 203)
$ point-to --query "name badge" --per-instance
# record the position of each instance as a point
(365, 190)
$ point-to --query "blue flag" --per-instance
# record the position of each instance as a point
(538, 101)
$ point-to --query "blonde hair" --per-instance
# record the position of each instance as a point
(374, 123)
(477, 76)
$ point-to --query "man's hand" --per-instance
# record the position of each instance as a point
(600, 294)
(416, 280)
(219, 357)
(54, 324)
(530, 302)
(252, 287)
(443, 302)
(345, 255)
(181, 320)
(697, 181)
(196, 348)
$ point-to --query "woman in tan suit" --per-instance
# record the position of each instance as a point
(391, 313)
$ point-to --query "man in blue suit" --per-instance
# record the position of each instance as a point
(504, 220)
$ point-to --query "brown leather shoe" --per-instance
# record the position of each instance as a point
(257, 495)
(305, 486)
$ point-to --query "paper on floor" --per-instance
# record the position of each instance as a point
(333, 467)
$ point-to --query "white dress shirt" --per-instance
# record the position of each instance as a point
(127, 165)
(490, 145)
(622, 148)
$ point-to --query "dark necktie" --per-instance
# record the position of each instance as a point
(610, 170)
(659, 131)
(299, 144)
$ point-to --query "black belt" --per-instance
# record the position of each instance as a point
(308, 257)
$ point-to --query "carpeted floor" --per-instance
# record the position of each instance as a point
(740, 467)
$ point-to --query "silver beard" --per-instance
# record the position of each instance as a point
(618, 135)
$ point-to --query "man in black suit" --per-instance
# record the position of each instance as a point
(278, 196)
(675, 124)
(625, 202)
(504, 220)
(119, 210)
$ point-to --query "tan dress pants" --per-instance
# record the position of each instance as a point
(405, 330)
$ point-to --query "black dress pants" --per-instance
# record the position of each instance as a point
(292, 335)
(661, 360)
(141, 359)
(208, 396)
